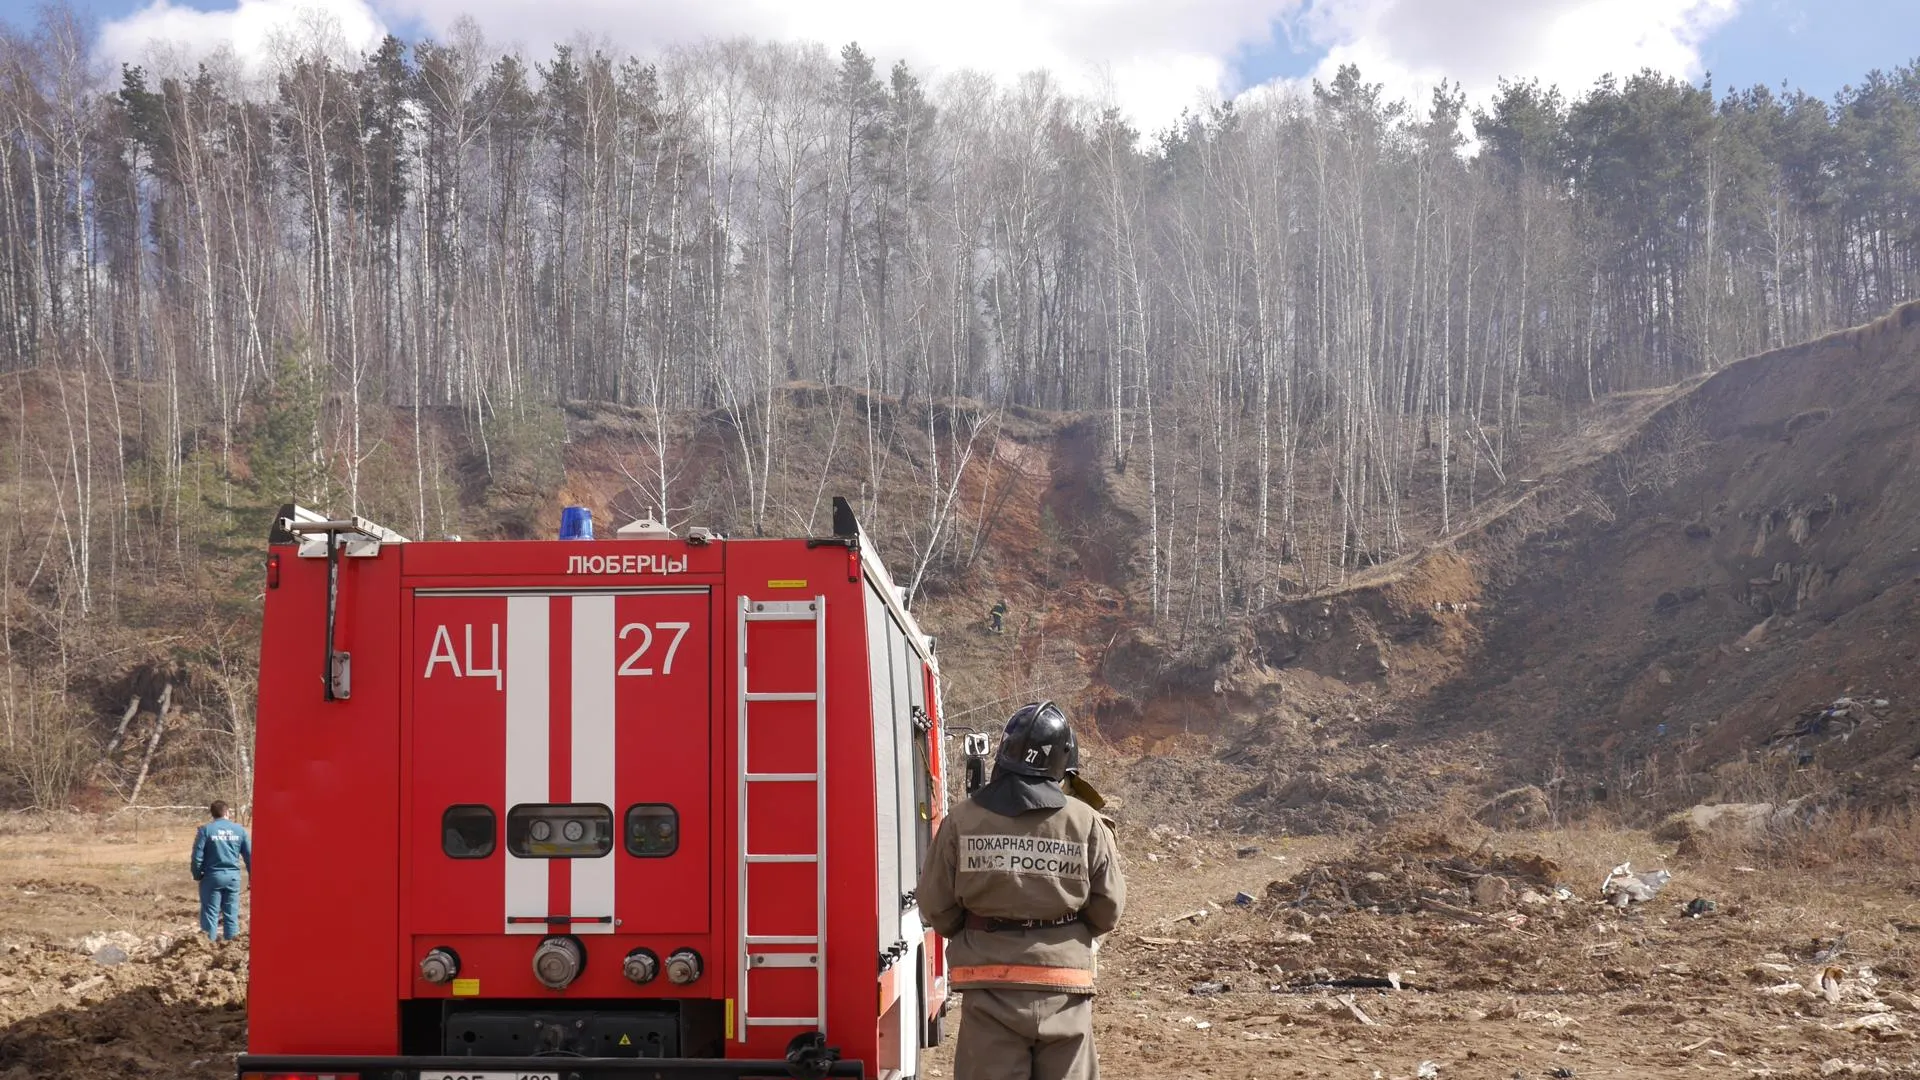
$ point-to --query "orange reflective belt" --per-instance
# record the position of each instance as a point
(1031, 974)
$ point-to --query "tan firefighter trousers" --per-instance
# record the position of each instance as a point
(1025, 1035)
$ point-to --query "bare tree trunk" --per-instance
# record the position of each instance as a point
(120, 733)
(153, 743)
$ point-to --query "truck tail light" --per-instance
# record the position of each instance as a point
(273, 571)
(299, 1076)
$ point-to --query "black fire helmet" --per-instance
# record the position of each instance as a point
(1037, 742)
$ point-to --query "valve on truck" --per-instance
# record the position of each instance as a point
(557, 962)
(641, 966)
(683, 966)
(440, 965)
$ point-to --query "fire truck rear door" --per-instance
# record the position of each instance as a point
(560, 761)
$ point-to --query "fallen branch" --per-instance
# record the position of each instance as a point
(1478, 920)
(1459, 913)
(120, 733)
(1354, 1008)
(159, 725)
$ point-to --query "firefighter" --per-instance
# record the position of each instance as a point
(1023, 881)
(220, 849)
(996, 618)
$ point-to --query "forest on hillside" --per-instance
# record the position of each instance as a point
(441, 224)
(1313, 325)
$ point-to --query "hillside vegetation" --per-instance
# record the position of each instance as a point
(1662, 609)
(1167, 393)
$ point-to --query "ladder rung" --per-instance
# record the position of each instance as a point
(782, 777)
(765, 960)
(782, 858)
(782, 697)
(782, 939)
(781, 616)
(783, 1021)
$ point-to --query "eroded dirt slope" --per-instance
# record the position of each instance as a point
(1708, 592)
(1743, 587)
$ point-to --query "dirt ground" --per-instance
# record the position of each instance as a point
(1572, 984)
(158, 1001)
(1510, 976)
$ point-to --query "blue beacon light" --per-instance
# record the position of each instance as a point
(576, 523)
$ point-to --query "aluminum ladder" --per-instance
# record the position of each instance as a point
(752, 612)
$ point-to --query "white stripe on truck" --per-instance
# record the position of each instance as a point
(593, 751)
(527, 737)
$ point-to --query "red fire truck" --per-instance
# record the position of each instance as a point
(650, 805)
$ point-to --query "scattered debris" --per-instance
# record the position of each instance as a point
(1399, 876)
(110, 956)
(1354, 1008)
(1880, 1025)
(1246, 852)
(1697, 907)
(85, 985)
(1209, 988)
(1837, 720)
(1327, 982)
(128, 943)
(1427, 1071)
(1243, 899)
(1622, 886)
(1458, 913)
(1520, 808)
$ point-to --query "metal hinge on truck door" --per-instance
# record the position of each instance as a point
(320, 536)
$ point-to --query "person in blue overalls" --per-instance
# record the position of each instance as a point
(220, 849)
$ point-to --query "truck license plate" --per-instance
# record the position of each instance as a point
(489, 1076)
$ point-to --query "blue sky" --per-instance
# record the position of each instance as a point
(1152, 57)
(1818, 46)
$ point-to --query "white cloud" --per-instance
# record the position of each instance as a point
(1411, 45)
(1156, 55)
(1153, 56)
(167, 36)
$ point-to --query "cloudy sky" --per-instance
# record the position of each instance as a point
(1152, 56)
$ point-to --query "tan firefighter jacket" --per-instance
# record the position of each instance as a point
(1042, 865)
